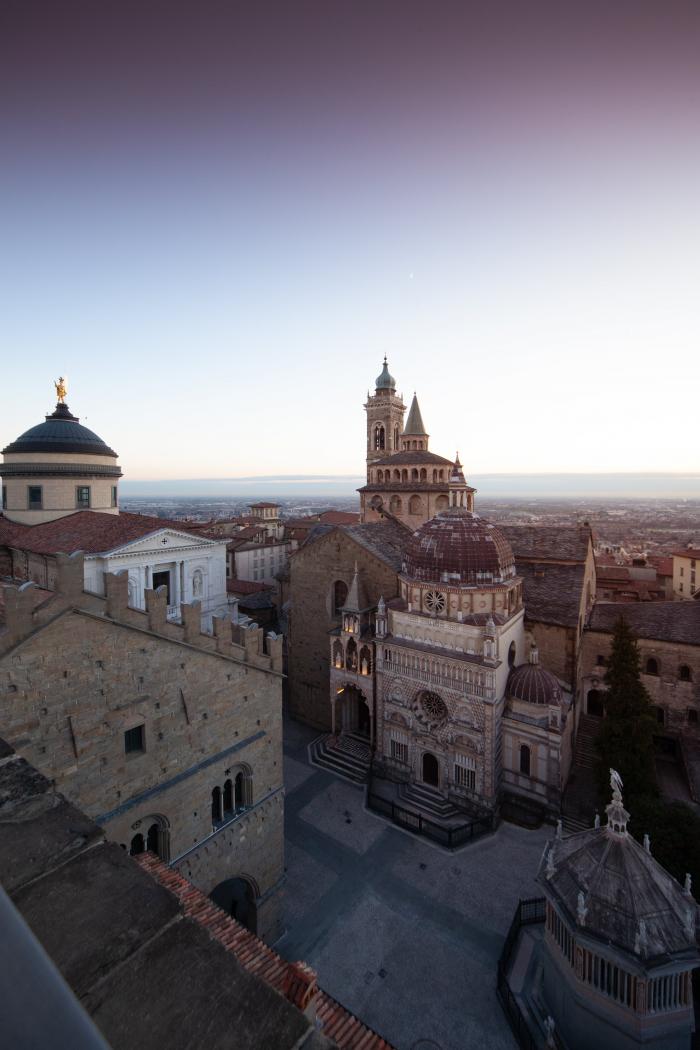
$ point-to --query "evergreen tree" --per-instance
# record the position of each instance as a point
(626, 739)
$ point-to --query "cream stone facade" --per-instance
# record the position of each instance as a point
(168, 738)
(686, 574)
(60, 494)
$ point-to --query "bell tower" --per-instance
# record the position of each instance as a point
(385, 412)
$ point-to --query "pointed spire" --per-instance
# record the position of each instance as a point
(415, 427)
(356, 600)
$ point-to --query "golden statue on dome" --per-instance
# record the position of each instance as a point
(61, 389)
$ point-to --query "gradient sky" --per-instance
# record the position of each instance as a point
(216, 218)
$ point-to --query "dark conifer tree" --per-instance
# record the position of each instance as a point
(626, 738)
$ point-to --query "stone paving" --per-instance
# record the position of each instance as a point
(404, 934)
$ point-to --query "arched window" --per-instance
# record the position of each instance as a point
(511, 655)
(441, 503)
(395, 505)
(442, 475)
(415, 506)
(660, 715)
(525, 760)
(228, 798)
(397, 475)
(684, 673)
(414, 474)
(338, 656)
(216, 811)
(137, 845)
(340, 593)
(404, 475)
(153, 839)
(351, 655)
(396, 438)
(379, 438)
(365, 661)
(652, 666)
(380, 477)
(240, 792)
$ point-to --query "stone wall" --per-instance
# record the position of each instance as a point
(678, 701)
(313, 570)
(81, 671)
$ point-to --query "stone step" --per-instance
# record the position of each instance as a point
(336, 758)
(428, 800)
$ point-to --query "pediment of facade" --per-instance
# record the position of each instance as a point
(161, 541)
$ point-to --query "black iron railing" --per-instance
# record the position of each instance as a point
(451, 837)
(529, 911)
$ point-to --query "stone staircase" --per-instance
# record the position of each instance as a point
(429, 802)
(581, 797)
(347, 756)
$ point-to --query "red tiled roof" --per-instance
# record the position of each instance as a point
(663, 565)
(295, 981)
(339, 517)
(86, 530)
(246, 587)
(689, 552)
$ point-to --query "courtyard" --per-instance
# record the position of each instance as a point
(405, 934)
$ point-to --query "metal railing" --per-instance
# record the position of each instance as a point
(451, 837)
(529, 911)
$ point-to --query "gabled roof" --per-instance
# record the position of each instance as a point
(662, 621)
(91, 531)
(551, 593)
(414, 424)
(548, 542)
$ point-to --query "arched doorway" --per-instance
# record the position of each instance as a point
(594, 703)
(431, 770)
(362, 716)
(237, 898)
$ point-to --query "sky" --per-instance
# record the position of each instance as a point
(218, 217)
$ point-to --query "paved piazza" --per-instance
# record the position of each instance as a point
(404, 934)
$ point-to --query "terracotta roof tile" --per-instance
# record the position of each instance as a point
(86, 530)
(296, 981)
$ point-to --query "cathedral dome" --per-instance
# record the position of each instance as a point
(60, 433)
(385, 381)
(533, 685)
(459, 547)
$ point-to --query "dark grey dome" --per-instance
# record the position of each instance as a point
(61, 432)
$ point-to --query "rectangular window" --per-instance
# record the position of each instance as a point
(693, 715)
(399, 751)
(465, 772)
(133, 740)
(4, 497)
(82, 496)
(114, 496)
(34, 497)
(682, 572)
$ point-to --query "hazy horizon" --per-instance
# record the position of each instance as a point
(571, 485)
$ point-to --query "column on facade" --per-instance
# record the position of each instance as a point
(181, 579)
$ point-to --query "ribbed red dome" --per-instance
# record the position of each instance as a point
(534, 685)
(458, 547)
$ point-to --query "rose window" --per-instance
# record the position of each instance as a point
(433, 709)
(435, 601)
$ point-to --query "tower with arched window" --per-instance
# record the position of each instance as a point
(385, 411)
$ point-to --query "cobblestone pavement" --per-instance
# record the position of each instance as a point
(404, 934)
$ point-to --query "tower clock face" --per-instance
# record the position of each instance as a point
(435, 601)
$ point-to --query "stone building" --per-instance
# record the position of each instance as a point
(668, 638)
(686, 574)
(404, 479)
(60, 494)
(170, 739)
(620, 942)
(405, 630)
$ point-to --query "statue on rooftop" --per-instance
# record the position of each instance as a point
(61, 389)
